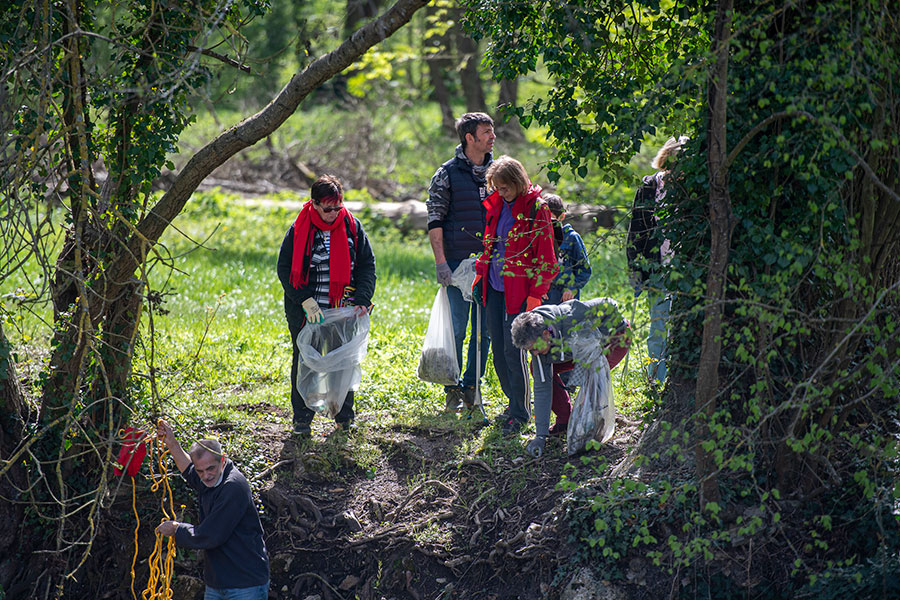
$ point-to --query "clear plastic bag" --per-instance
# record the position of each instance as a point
(593, 411)
(331, 353)
(437, 362)
(464, 278)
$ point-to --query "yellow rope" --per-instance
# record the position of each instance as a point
(122, 434)
(136, 528)
(159, 584)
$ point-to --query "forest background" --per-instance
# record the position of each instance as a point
(766, 468)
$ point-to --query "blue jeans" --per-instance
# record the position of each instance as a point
(260, 592)
(660, 303)
(507, 358)
(463, 313)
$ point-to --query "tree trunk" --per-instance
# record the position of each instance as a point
(469, 57)
(509, 96)
(116, 351)
(437, 58)
(357, 11)
(720, 230)
(12, 417)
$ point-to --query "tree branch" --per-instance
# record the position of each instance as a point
(255, 128)
(222, 58)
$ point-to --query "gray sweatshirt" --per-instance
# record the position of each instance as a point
(579, 331)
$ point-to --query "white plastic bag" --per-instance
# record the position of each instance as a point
(464, 278)
(594, 412)
(331, 353)
(437, 362)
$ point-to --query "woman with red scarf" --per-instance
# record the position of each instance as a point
(325, 261)
(514, 273)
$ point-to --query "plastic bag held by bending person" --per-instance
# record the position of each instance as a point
(438, 363)
(331, 353)
(593, 412)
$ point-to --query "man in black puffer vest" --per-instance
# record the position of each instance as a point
(455, 226)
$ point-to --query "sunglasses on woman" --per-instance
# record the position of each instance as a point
(328, 209)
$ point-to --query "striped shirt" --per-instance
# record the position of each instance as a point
(319, 266)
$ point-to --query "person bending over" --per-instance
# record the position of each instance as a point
(547, 332)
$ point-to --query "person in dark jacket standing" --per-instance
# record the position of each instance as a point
(455, 223)
(325, 261)
(229, 531)
(647, 249)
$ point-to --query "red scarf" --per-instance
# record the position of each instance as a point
(339, 251)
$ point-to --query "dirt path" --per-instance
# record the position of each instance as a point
(414, 523)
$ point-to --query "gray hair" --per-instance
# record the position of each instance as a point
(204, 447)
(526, 329)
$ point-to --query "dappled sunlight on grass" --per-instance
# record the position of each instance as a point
(222, 351)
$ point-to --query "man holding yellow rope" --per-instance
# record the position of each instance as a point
(236, 566)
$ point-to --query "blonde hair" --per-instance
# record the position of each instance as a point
(672, 146)
(508, 170)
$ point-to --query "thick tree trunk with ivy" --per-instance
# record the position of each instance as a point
(720, 231)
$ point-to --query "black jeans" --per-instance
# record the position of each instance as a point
(507, 358)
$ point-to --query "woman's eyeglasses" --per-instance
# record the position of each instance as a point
(329, 209)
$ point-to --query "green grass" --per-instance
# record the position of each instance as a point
(220, 344)
(224, 341)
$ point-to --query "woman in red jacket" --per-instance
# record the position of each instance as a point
(513, 273)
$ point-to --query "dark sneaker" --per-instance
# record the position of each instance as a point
(469, 397)
(347, 426)
(512, 427)
(302, 429)
(454, 400)
(559, 429)
(502, 418)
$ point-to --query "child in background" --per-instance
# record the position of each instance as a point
(575, 267)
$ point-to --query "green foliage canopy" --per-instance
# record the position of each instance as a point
(621, 71)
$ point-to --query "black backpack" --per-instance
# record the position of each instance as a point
(642, 250)
(557, 226)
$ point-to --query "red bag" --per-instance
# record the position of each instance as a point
(132, 453)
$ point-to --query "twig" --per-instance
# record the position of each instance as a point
(323, 580)
(268, 470)
(418, 489)
(478, 463)
(222, 58)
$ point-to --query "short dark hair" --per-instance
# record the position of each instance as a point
(526, 329)
(325, 186)
(554, 203)
(469, 122)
